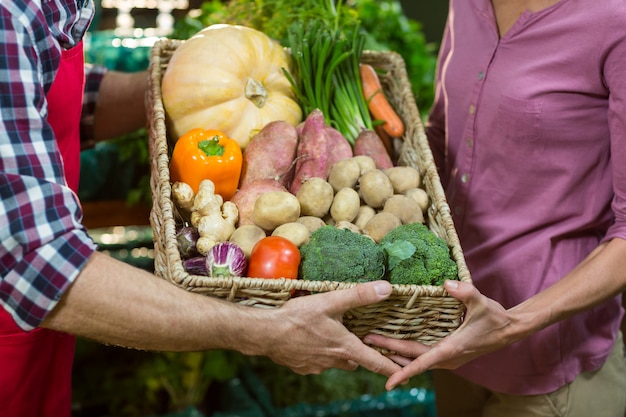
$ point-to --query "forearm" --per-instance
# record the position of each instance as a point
(598, 278)
(114, 303)
(129, 307)
(120, 108)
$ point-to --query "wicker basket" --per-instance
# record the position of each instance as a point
(423, 313)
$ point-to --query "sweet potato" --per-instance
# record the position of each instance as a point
(246, 196)
(319, 147)
(369, 143)
(338, 147)
(311, 154)
(271, 154)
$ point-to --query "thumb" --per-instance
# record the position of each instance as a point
(359, 295)
(460, 290)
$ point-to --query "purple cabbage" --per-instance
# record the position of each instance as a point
(226, 259)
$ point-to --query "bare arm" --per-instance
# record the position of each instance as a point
(120, 108)
(488, 326)
(115, 303)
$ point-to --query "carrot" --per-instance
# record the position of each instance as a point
(378, 105)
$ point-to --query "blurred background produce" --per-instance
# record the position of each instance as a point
(114, 382)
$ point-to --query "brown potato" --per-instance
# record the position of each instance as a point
(403, 178)
(366, 163)
(420, 196)
(275, 208)
(311, 222)
(345, 205)
(375, 188)
(381, 224)
(247, 195)
(347, 225)
(246, 237)
(404, 208)
(295, 232)
(315, 196)
(344, 174)
(364, 215)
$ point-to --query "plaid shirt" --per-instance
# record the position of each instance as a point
(43, 245)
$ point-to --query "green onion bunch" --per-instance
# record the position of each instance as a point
(326, 76)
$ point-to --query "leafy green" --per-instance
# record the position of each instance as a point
(272, 17)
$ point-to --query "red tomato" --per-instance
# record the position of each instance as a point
(274, 257)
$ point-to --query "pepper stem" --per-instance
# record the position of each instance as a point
(255, 92)
(211, 147)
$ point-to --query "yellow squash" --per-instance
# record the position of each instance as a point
(229, 78)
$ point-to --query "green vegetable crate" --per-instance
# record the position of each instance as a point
(422, 313)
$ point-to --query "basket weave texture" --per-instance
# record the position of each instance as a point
(414, 312)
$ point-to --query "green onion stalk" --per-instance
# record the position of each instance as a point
(326, 73)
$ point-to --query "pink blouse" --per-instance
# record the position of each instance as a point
(529, 132)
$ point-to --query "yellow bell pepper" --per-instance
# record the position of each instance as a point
(207, 154)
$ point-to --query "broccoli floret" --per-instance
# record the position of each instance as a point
(430, 263)
(341, 255)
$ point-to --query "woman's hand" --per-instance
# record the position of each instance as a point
(486, 328)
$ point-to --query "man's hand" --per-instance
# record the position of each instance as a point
(311, 338)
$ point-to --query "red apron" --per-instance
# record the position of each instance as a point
(36, 366)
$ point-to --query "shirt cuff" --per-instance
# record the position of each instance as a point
(34, 286)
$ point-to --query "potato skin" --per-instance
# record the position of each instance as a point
(366, 163)
(344, 173)
(311, 222)
(247, 195)
(405, 208)
(345, 205)
(375, 188)
(403, 178)
(246, 237)
(421, 196)
(315, 196)
(275, 208)
(364, 215)
(381, 224)
(270, 154)
(296, 233)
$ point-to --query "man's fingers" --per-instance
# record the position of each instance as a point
(374, 361)
(406, 348)
(400, 360)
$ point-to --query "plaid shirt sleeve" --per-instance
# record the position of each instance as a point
(43, 245)
(93, 77)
